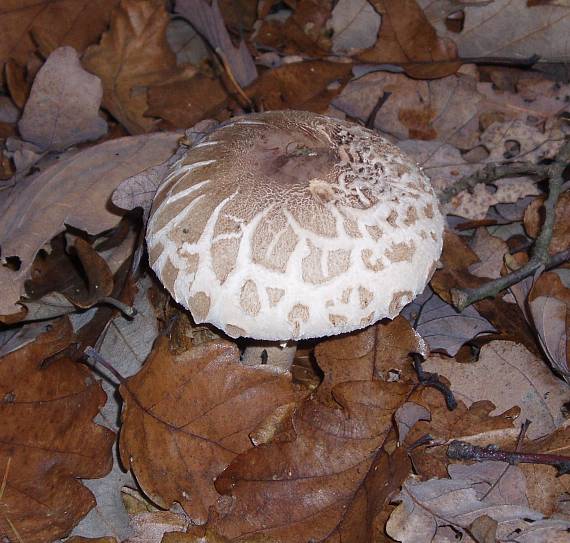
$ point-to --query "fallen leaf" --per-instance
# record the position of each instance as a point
(315, 483)
(126, 342)
(325, 474)
(49, 439)
(440, 509)
(208, 21)
(407, 38)
(187, 416)
(475, 204)
(416, 109)
(496, 483)
(519, 140)
(540, 30)
(379, 352)
(507, 318)
(184, 103)
(507, 374)
(534, 218)
(546, 490)
(549, 304)
(186, 43)
(491, 251)
(24, 24)
(302, 33)
(443, 327)
(57, 272)
(79, 539)
(441, 162)
(63, 108)
(473, 424)
(301, 85)
(151, 527)
(39, 209)
(355, 26)
(132, 55)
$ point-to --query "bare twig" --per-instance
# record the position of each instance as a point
(540, 256)
(489, 174)
(461, 450)
(432, 380)
(371, 121)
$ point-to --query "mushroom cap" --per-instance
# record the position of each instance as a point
(290, 225)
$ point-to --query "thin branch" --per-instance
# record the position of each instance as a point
(461, 450)
(489, 174)
(540, 256)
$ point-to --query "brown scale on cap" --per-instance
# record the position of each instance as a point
(263, 226)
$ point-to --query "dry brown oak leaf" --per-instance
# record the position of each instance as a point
(407, 38)
(48, 440)
(326, 475)
(187, 416)
(26, 25)
(132, 55)
(73, 191)
(474, 424)
(300, 85)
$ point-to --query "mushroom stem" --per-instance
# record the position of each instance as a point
(272, 353)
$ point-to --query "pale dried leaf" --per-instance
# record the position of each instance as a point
(63, 107)
(126, 343)
(41, 207)
(354, 24)
(207, 19)
(151, 527)
(508, 374)
(186, 43)
(474, 205)
(550, 317)
(534, 143)
(441, 162)
(505, 28)
(441, 325)
(444, 109)
(9, 113)
(491, 251)
(407, 415)
(494, 482)
(429, 508)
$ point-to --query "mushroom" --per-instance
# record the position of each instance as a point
(288, 225)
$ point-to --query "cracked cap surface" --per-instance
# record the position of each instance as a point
(290, 225)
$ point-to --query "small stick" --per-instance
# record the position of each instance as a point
(462, 298)
(432, 380)
(371, 121)
(94, 355)
(489, 174)
(461, 450)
